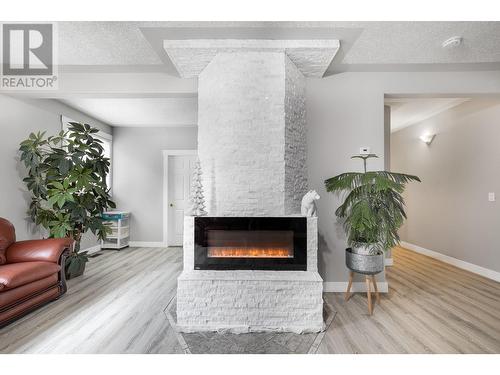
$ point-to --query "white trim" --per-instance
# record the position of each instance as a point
(64, 122)
(146, 244)
(102, 134)
(388, 262)
(179, 152)
(166, 154)
(93, 249)
(357, 287)
(108, 138)
(490, 274)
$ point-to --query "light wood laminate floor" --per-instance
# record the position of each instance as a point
(115, 307)
(118, 307)
(431, 307)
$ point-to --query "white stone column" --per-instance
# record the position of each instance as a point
(252, 119)
(252, 147)
(251, 134)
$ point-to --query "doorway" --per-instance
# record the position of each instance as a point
(450, 142)
(179, 166)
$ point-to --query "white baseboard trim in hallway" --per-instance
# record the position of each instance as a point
(490, 274)
(341, 287)
(146, 244)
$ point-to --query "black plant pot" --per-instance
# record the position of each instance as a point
(368, 264)
(74, 268)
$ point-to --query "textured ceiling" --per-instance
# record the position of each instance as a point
(364, 46)
(362, 43)
(420, 42)
(104, 43)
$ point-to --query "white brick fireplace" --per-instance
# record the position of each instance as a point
(245, 300)
(252, 149)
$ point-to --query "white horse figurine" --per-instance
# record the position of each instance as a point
(308, 206)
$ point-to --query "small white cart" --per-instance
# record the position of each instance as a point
(120, 229)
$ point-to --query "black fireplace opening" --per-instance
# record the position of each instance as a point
(250, 243)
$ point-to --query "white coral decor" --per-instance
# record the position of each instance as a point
(197, 199)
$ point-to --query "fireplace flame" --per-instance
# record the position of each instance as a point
(249, 252)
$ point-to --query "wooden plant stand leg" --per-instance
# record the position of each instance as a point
(348, 293)
(369, 294)
(377, 294)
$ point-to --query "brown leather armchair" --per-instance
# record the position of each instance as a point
(31, 272)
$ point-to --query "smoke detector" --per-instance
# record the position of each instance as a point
(452, 42)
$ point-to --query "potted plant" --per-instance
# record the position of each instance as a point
(67, 182)
(372, 212)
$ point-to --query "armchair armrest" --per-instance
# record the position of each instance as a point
(48, 250)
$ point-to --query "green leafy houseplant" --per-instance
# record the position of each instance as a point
(373, 208)
(67, 182)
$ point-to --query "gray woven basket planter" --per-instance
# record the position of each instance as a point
(366, 264)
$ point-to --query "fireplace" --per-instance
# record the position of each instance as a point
(251, 265)
(250, 243)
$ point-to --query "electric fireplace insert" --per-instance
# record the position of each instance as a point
(250, 243)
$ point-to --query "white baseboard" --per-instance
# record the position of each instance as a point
(388, 262)
(341, 286)
(490, 274)
(146, 244)
(92, 250)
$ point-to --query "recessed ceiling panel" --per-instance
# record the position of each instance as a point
(139, 112)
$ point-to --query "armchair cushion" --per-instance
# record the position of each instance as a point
(18, 274)
(48, 250)
(11, 296)
(7, 238)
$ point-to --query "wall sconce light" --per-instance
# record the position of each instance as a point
(427, 138)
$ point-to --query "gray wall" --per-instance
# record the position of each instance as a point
(138, 174)
(18, 118)
(341, 119)
(387, 138)
(345, 112)
(449, 211)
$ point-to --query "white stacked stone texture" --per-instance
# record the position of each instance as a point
(250, 301)
(252, 134)
(295, 138)
(191, 56)
(252, 149)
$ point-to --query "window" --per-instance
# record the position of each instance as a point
(107, 144)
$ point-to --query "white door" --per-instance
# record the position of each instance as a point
(180, 171)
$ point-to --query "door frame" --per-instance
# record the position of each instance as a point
(166, 155)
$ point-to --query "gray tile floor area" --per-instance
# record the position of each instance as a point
(248, 343)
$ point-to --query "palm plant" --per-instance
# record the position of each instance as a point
(67, 182)
(373, 209)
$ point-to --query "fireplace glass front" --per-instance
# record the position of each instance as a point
(250, 243)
